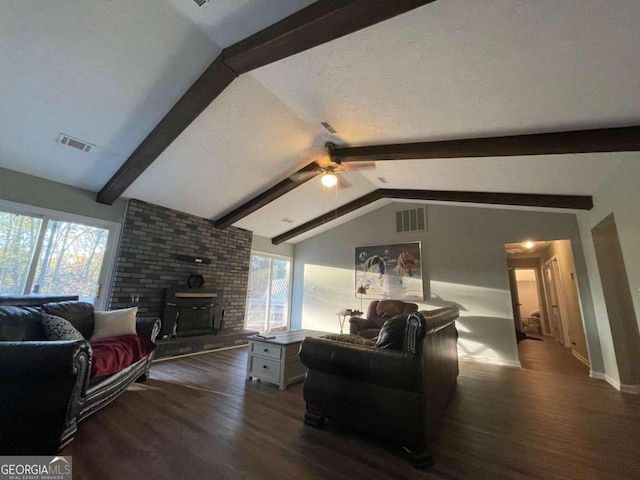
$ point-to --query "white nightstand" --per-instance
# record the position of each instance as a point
(276, 360)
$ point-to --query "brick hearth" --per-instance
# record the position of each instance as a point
(181, 346)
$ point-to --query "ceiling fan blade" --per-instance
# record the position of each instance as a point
(304, 176)
(358, 166)
(343, 182)
(316, 154)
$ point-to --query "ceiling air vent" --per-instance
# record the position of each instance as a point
(412, 220)
(74, 142)
(328, 127)
(202, 3)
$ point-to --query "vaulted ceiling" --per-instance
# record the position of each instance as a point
(107, 72)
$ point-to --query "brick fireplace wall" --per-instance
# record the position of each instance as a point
(147, 261)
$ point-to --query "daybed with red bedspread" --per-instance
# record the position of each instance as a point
(61, 361)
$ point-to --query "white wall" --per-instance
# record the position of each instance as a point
(463, 257)
(619, 194)
(29, 190)
(262, 244)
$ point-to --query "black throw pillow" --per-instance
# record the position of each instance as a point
(392, 333)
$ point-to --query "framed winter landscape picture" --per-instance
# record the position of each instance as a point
(390, 271)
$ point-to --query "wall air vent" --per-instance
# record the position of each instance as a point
(202, 3)
(412, 220)
(328, 127)
(74, 142)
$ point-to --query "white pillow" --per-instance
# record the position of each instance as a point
(114, 323)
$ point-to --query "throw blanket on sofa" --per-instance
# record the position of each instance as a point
(112, 354)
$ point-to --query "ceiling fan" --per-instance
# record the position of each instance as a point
(599, 140)
(329, 166)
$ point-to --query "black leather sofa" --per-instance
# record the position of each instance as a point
(397, 393)
(46, 386)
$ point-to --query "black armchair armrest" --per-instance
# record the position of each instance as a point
(57, 358)
(40, 386)
(148, 327)
(356, 324)
(389, 368)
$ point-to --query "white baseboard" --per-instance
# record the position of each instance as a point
(492, 361)
(200, 352)
(597, 375)
(581, 358)
(613, 382)
(634, 389)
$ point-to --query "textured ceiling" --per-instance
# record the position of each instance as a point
(108, 71)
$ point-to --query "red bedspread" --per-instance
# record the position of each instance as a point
(112, 354)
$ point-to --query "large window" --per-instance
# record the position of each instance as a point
(46, 252)
(269, 294)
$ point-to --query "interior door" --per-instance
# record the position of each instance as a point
(552, 302)
(565, 331)
(557, 310)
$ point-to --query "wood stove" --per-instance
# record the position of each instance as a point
(188, 312)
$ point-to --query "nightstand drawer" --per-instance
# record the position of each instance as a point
(265, 369)
(266, 350)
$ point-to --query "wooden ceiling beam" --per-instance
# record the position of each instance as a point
(314, 25)
(266, 197)
(575, 202)
(210, 84)
(622, 139)
(327, 217)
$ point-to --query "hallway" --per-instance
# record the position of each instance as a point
(549, 356)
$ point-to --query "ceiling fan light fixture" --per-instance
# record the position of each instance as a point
(329, 179)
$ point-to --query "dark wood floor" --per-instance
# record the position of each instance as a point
(547, 355)
(197, 418)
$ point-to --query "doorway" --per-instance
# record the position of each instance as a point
(547, 313)
(527, 287)
(618, 300)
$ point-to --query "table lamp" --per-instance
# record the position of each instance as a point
(361, 291)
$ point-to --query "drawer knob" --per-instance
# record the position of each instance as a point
(266, 349)
(264, 366)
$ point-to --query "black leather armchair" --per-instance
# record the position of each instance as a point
(379, 311)
(396, 395)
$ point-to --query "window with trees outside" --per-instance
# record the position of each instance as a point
(46, 252)
(269, 293)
